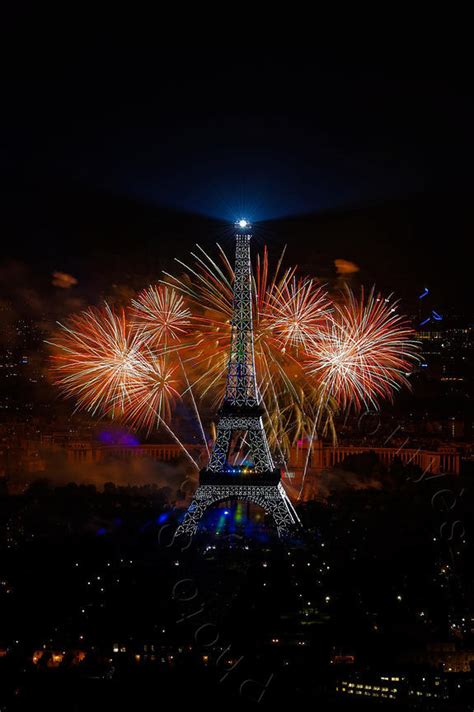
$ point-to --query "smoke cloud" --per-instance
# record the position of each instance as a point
(345, 267)
(134, 472)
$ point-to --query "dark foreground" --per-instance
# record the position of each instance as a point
(370, 607)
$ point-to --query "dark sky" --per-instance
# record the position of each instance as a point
(220, 131)
(227, 131)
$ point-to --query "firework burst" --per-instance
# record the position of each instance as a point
(104, 363)
(152, 391)
(293, 313)
(161, 315)
(95, 359)
(364, 354)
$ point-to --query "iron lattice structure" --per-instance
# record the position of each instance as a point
(241, 417)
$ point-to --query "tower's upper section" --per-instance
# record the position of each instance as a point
(241, 389)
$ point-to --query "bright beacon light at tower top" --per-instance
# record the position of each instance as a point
(243, 224)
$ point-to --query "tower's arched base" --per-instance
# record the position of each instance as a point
(272, 498)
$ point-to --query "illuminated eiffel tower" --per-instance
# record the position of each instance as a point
(240, 420)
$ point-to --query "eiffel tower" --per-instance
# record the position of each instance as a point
(240, 420)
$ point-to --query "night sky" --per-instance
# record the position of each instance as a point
(109, 151)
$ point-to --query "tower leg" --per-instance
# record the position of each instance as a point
(259, 450)
(220, 449)
(283, 512)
